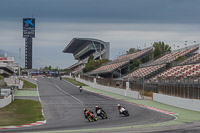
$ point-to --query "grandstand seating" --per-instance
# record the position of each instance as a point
(119, 62)
(145, 71)
(76, 68)
(168, 58)
(193, 59)
(109, 67)
(184, 71)
(133, 55)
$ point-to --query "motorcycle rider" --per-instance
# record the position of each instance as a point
(98, 110)
(86, 112)
(80, 88)
(120, 108)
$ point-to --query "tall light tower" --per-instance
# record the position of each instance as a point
(19, 61)
(28, 34)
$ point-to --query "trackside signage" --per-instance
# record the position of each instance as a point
(28, 27)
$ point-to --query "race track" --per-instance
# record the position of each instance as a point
(63, 109)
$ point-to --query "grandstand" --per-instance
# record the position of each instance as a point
(83, 48)
(192, 60)
(184, 71)
(171, 57)
(151, 69)
(8, 66)
(145, 72)
(121, 65)
(175, 74)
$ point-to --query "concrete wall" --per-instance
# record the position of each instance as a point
(6, 101)
(190, 104)
(128, 93)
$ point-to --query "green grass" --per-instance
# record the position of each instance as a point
(28, 84)
(73, 81)
(21, 112)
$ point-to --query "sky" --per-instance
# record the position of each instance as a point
(124, 23)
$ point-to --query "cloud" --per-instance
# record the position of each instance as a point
(52, 37)
(114, 11)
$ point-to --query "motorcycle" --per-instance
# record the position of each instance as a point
(86, 113)
(124, 111)
(92, 117)
(102, 114)
(80, 88)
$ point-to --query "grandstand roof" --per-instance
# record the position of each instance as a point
(75, 43)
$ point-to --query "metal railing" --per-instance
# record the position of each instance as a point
(184, 88)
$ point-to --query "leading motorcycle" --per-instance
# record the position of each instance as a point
(92, 117)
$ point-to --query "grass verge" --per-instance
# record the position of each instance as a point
(21, 112)
(28, 84)
(73, 81)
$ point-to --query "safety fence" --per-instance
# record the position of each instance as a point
(106, 82)
(184, 88)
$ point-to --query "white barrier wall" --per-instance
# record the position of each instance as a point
(6, 101)
(129, 93)
(190, 104)
(21, 83)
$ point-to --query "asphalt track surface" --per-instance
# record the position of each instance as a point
(63, 106)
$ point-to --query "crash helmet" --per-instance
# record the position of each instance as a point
(119, 106)
(96, 107)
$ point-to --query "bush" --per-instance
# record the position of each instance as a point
(180, 59)
(1, 77)
(93, 64)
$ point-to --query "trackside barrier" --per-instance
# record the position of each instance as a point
(127, 92)
(6, 101)
(191, 104)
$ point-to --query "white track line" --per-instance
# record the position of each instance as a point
(62, 90)
(68, 94)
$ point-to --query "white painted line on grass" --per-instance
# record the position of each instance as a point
(40, 101)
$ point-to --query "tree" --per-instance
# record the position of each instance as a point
(48, 68)
(1, 81)
(160, 48)
(93, 64)
(131, 50)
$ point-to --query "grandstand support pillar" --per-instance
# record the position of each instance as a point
(120, 75)
(198, 92)
(94, 46)
(143, 88)
(70, 75)
(127, 85)
(129, 65)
